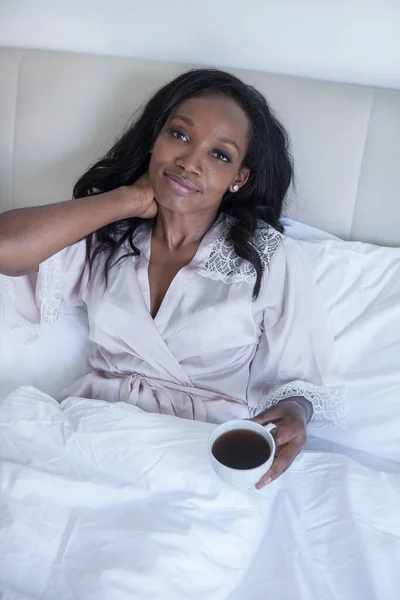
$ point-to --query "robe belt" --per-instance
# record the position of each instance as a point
(187, 403)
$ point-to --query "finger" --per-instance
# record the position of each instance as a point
(282, 462)
(268, 415)
(280, 465)
(289, 429)
(287, 426)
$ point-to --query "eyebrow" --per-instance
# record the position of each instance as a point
(221, 138)
(226, 140)
(184, 119)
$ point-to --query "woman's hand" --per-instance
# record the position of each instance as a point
(290, 435)
(138, 199)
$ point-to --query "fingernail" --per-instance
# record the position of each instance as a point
(261, 484)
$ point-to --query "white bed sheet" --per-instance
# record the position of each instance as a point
(104, 501)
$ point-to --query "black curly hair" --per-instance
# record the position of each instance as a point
(268, 159)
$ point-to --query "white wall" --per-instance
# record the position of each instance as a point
(355, 41)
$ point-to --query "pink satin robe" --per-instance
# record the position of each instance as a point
(211, 353)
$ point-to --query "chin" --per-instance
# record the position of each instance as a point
(176, 203)
(167, 199)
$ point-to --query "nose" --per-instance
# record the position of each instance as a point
(190, 160)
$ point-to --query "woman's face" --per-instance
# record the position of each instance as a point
(198, 154)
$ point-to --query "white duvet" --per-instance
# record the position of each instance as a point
(104, 501)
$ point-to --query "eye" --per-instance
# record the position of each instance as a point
(179, 135)
(222, 156)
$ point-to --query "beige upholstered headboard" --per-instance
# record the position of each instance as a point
(61, 111)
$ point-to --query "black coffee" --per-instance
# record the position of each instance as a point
(241, 449)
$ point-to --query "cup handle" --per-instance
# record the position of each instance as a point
(270, 427)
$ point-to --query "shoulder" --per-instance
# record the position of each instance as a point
(279, 253)
(224, 263)
(266, 241)
(288, 271)
(289, 253)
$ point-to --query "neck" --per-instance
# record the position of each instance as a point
(176, 230)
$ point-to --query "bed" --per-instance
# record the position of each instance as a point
(106, 501)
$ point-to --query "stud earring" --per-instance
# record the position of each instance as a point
(235, 187)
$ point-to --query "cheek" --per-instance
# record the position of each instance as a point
(158, 158)
(163, 151)
(218, 179)
(152, 163)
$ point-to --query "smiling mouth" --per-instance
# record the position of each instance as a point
(180, 185)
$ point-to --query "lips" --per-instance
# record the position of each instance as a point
(180, 185)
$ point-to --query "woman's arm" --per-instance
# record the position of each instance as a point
(294, 374)
(28, 236)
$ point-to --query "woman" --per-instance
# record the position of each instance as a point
(198, 306)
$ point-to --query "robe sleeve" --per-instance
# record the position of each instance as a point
(296, 354)
(62, 278)
(32, 300)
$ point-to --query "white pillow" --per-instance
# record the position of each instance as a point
(301, 231)
(58, 357)
(360, 284)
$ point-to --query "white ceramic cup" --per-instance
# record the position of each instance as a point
(242, 478)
